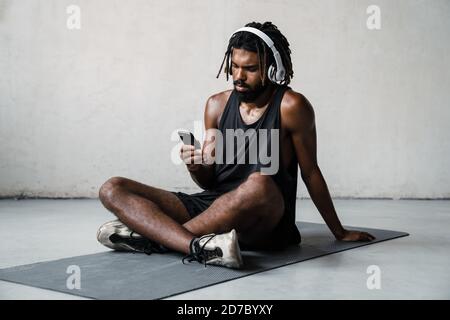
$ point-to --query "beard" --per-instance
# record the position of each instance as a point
(252, 93)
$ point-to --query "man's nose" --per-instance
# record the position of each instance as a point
(240, 75)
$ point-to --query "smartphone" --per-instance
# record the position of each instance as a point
(189, 139)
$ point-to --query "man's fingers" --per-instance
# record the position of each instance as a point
(189, 150)
(186, 155)
(187, 147)
(192, 159)
(359, 236)
(197, 159)
(366, 236)
(369, 236)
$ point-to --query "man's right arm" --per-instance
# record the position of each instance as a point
(203, 174)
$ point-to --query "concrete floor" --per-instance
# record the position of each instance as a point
(414, 267)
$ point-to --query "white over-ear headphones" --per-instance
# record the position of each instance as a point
(278, 76)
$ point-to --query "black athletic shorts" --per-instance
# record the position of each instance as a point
(283, 234)
(198, 202)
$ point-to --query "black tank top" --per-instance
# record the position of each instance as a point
(230, 175)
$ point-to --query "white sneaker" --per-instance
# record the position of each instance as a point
(222, 250)
(115, 235)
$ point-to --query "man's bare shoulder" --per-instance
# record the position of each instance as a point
(218, 100)
(215, 105)
(296, 111)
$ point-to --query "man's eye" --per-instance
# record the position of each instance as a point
(251, 69)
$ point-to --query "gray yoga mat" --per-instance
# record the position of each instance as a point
(115, 275)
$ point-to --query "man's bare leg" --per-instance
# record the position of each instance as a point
(152, 212)
(253, 209)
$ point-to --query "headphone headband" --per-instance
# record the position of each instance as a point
(260, 34)
(278, 76)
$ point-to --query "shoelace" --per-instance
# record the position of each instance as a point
(203, 255)
(139, 244)
(148, 246)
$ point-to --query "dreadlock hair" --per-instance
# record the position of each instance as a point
(251, 42)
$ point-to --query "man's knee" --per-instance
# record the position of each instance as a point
(108, 189)
(262, 190)
(258, 184)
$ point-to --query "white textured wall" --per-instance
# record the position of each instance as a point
(80, 106)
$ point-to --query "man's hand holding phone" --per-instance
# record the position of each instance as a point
(191, 157)
(198, 161)
(191, 151)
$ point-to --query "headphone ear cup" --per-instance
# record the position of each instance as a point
(276, 76)
(280, 74)
(271, 73)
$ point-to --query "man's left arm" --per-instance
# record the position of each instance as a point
(299, 119)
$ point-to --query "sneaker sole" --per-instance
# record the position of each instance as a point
(114, 227)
